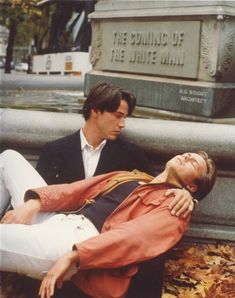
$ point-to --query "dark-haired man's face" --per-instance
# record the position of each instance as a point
(110, 124)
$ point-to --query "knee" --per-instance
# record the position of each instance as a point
(10, 154)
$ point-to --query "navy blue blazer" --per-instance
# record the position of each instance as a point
(61, 160)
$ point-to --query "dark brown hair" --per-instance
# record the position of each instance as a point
(106, 97)
(205, 184)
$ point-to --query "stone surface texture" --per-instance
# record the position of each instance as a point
(182, 53)
(27, 131)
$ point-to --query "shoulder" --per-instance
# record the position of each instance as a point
(61, 147)
(66, 141)
(122, 147)
(126, 144)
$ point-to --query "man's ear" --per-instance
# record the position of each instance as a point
(191, 187)
(94, 113)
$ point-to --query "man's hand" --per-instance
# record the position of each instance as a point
(23, 214)
(56, 275)
(182, 204)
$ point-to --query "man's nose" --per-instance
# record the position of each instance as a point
(122, 123)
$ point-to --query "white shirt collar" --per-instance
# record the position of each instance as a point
(84, 142)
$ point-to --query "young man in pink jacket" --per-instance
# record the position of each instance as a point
(104, 228)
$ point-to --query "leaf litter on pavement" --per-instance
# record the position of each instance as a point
(200, 270)
(191, 271)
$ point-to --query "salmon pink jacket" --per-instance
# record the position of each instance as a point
(139, 229)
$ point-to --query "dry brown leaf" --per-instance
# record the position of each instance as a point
(200, 271)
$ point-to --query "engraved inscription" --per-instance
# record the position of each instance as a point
(173, 58)
(117, 55)
(152, 47)
(148, 39)
(193, 96)
(141, 56)
(119, 37)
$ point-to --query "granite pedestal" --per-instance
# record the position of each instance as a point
(173, 55)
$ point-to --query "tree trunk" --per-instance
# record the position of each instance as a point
(10, 45)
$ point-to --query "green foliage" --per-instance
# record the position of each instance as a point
(18, 10)
(24, 13)
(19, 16)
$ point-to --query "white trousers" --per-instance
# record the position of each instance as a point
(33, 249)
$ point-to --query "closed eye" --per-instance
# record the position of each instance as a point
(120, 115)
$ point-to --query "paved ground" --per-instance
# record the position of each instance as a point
(64, 93)
(21, 80)
(41, 92)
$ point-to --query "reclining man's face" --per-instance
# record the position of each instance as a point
(188, 166)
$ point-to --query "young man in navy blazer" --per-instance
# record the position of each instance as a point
(98, 148)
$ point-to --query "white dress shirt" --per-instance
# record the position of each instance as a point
(90, 155)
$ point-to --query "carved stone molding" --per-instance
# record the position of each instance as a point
(227, 49)
(217, 47)
(96, 43)
(209, 48)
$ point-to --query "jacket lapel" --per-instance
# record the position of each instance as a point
(109, 158)
(74, 156)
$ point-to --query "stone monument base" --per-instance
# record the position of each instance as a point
(176, 56)
(207, 99)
